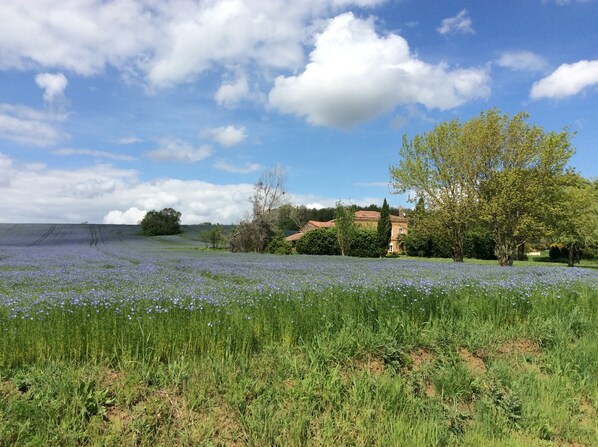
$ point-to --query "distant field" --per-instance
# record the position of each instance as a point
(111, 338)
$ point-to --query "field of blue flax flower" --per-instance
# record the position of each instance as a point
(481, 353)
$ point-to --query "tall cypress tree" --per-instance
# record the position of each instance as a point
(384, 229)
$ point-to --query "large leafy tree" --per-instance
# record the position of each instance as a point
(576, 223)
(442, 172)
(384, 229)
(521, 177)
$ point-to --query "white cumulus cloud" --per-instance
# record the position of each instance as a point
(132, 216)
(459, 24)
(566, 80)
(354, 74)
(161, 42)
(178, 150)
(105, 193)
(227, 136)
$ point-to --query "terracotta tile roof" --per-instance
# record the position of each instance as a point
(293, 237)
(374, 215)
(318, 224)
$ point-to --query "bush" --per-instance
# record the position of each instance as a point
(429, 246)
(278, 246)
(364, 244)
(158, 223)
(554, 252)
(479, 244)
(319, 242)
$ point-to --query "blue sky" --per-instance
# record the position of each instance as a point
(112, 108)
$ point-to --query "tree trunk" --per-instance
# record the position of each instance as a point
(504, 250)
(571, 259)
(458, 244)
(521, 252)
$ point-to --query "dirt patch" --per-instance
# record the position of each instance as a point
(519, 346)
(374, 365)
(419, 358)
(473, 363)
(429, 389)
(118, 418)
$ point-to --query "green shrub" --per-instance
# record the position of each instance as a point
(364, 244)
(278, 246)
(429, 246)
(322, 241)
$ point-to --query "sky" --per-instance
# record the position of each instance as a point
(111, 108)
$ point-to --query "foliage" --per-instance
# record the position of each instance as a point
(214, 236)
(494, 169)
(253, 236)
(426, 245)
(322, 241)
(384, 229)
(479, 243)
(521, 177)
(157, 223)
(279, 246)
(576, 224)
(443, 173)
(364, 244)
(345, 226)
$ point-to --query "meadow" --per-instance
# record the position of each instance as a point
(108, 338)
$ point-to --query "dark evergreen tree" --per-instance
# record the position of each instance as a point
(384, 229)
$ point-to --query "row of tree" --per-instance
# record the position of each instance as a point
(500, 174)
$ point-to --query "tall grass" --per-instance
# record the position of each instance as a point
(154, 332)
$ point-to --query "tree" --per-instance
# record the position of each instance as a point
(493, 168)
(157, 223)
(214, 236)
(576, 224)
(269, 194)
(345, 226)
(384, 229)
(443, 173)
(520, 179)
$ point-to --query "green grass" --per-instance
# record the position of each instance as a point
(337, 368)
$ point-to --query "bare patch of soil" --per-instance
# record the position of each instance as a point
(519, 346)
(419, 358)
(374, 365)
(473, 363)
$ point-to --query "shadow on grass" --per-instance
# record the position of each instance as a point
(585, 263)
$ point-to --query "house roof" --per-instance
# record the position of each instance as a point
(318, 224)
(293, 237)
(375, 216)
